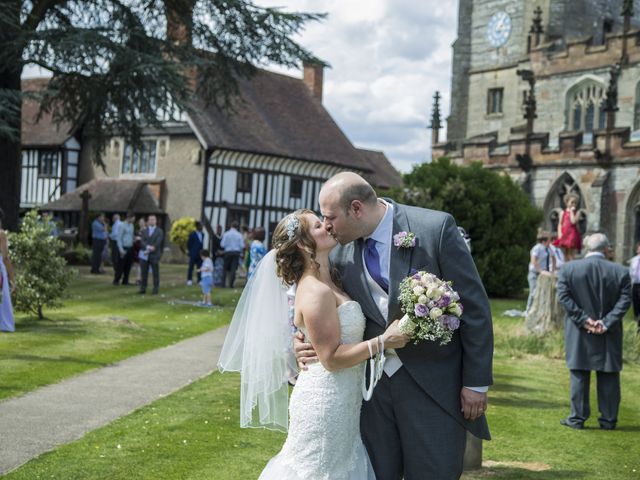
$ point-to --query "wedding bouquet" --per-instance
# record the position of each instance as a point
(432, 308)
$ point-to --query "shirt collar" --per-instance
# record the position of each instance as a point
(382, 233)
(594, 254)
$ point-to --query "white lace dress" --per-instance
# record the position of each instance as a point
(324, 419)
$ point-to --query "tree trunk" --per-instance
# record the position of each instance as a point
(546, 313)
(10, 148)
(40, 315)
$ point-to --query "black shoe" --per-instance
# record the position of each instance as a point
(155, 292)
(125, 283)
(142, 292)
(607, 427)
(115, 282)
(575, 426)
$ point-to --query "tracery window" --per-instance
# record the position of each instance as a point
(586, 108)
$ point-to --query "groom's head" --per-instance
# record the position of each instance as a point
(349, 206)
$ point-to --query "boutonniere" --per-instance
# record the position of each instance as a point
(404, 239)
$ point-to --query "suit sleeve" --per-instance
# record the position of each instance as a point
(476, 329)
(622, 305)
(574, 313)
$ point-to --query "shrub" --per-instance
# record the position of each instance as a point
(180, 230)
(78, 255)
(41, 273)
(495, 212)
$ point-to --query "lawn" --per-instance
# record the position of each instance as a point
(100, 324)
(194, 433)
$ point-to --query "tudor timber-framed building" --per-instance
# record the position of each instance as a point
(577, 129)
(266, 156)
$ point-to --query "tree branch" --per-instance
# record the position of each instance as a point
(38, 12)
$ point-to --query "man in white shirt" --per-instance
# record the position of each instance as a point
(233, 245)
(113, 242)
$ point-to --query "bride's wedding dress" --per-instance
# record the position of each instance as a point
(324, 419)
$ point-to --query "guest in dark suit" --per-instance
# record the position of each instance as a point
(194, 246)
(595, 293)
(152, 238)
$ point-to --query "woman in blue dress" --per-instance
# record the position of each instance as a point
(257, 250)
(7, 283)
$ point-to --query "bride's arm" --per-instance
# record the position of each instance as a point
(321, 320)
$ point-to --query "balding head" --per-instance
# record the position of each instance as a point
(597, 242)
(345, 187)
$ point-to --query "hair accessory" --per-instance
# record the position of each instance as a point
(292, 225)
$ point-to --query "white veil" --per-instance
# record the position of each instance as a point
(259, 345)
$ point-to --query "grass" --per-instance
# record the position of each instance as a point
(100, 324)
(194, 433)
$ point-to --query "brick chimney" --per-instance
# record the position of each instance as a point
(179, 14)
(313, 74)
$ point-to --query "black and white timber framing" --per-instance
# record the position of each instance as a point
(48, 172)
(269, 197)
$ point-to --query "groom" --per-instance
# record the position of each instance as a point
(415, 424)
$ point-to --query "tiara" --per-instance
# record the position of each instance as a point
(292, 225)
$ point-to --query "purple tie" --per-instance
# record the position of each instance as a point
(372, 260)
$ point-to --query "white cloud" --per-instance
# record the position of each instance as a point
(387, 60)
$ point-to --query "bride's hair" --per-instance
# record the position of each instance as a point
(292, 232)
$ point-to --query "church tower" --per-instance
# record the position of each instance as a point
(548, 92)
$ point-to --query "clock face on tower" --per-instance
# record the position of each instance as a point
(499, 29)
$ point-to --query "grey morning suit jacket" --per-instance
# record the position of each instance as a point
(596, 288)
(441, 371)
(156, 240)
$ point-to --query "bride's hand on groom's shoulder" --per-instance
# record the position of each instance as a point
(393, 337)
(305, 354)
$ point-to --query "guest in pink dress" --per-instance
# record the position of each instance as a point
(569, 238)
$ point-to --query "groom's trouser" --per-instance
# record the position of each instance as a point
(408, 434)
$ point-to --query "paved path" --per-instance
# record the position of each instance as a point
(57, 414)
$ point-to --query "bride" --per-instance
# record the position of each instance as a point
(324, 425)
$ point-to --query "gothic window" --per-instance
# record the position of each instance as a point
(494, 100)
(586, 107)
(554, 205)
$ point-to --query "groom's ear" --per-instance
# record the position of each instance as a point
(356, 208)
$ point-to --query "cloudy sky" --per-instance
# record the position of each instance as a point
(387, 59)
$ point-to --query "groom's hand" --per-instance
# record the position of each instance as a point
(474, 404)
(305, 354)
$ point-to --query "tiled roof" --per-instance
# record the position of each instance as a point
(45, 132)
(383, 174)
(277, 116)
(109, 195)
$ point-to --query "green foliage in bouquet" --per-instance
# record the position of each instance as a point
(180, 231)
(41, 273)
(492, 208)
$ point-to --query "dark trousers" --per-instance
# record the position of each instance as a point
(194, 262)
(231, 262)
(408, 435)
(635, 296)
(96, 254)
(115, 254)
(608, 397)
(144, 269)
(123, 266)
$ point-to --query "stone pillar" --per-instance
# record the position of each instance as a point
(473, 453)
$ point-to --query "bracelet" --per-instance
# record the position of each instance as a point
(370, 349)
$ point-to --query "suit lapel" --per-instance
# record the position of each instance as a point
(363, 293)
(400, 259)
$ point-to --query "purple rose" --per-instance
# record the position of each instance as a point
(421, 310)
(444, 301)
(450, 322)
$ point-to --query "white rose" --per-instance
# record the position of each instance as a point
(423, 299)
(435, 313)
(418, 291)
